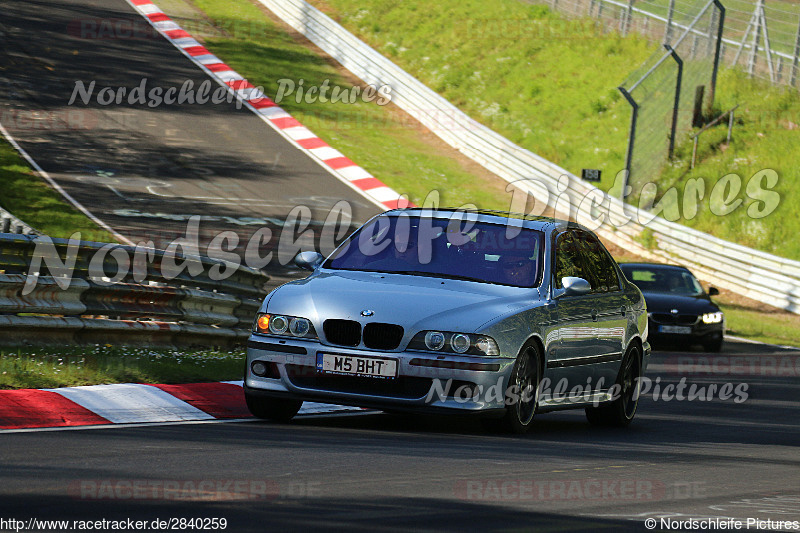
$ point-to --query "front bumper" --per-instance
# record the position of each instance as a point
(425, 381)
(698, 332)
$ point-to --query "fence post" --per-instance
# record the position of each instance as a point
(674, 128)
(796, 55)
(670, 15)
(767, 45)
(717, 55)
(697, 112)
(751, 65)
(632, 136)
(628, 17)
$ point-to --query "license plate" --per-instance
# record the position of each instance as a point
(351, 365)
(682, 330)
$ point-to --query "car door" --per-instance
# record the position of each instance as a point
(608, 307)
(571, 355)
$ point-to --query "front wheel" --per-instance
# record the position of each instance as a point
(620, 411)
(522, 394)
(276, 409)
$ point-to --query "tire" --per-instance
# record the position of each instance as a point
(714, 346)
(522, 394)
(276, 409)
(620, 412)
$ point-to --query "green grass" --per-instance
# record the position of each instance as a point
(37, 368)
(33, 201)
(773, 328)
(557, 97)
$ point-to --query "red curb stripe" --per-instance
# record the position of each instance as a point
(240, 84)
(158, 17)
(33, 408)
(286, 122)
(367, 183)
(261, 103)
(396, 204)
(197, 51)
(218, 67)
(340, 162)
(177, 34)
(311, 143)
(220, 400)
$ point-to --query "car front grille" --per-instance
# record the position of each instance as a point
(679, 320)
(380, 336)
(377, 335)
(342, 332)
(408, 387)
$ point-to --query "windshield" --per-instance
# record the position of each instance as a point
(454, 249)
(664, 280)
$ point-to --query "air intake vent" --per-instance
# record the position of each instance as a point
(342, 332)
(380, 336)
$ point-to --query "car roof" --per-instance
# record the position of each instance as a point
(653, 266)
(490, 215)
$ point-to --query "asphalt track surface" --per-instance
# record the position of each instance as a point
(380, 472)
(141, 170)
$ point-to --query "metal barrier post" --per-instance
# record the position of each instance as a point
(629, 155)
(717, 55)
(674, 129)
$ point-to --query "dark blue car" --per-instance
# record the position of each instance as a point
(678, 308)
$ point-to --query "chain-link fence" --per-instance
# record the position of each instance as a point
(761, 36)
(671, 91)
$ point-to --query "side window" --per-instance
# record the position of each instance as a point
(602, 273)
(568, 258)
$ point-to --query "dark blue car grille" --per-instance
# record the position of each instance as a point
(376, 335)
(680, 320)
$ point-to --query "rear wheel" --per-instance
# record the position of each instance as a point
(276, 409)
(522, 394)
(620, 411)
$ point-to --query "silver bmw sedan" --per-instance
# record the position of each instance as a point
(463, 312)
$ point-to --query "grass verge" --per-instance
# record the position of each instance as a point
(36, 368)
(33, 201)
(549, 84)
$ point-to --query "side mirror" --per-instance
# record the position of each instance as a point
(713, 291)
(309, 260)
(575, 286)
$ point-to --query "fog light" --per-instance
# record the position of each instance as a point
(259, 368)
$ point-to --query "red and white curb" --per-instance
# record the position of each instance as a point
(130, 403)
(297, 134)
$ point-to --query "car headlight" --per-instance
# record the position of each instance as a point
(454, 342)
(712, 318)
(289, 326)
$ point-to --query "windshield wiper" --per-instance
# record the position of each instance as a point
(439, 275)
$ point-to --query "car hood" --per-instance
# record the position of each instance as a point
(659, 302)
(414, 302)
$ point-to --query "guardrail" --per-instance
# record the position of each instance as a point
(764, 277)
(148, 303)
